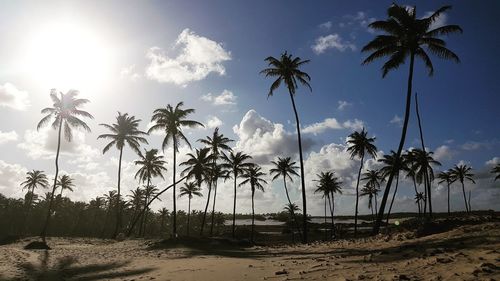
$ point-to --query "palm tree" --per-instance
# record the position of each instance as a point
(34, 179)
(286, 69)
(253, 175)
(65, 182)
(360, 145)
(111, 199)
(235, 164)
(496, 170)
(328, 185)
(405, 36)
(170, 120)
(217, 172)
(461, 173)
(392, 165)
(190, 189)
(124, 131)
(443, 177)
(373, 180)
(291, 209)
(96, 205)
(66, 113)
(136, 200)
(410, 167)
(163, 214)
(217, 143)
(424, 173)
(285, 168)
(418, 198)
(149, 192)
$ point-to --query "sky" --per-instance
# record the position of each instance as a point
(136, 56)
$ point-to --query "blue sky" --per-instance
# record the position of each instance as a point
(125, 56)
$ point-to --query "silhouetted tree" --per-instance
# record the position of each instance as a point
(446, 177)
(189, 189)
(461, 173)
(253, 176)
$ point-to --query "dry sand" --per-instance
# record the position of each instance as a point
(470, 252)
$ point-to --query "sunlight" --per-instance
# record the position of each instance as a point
(68, 55)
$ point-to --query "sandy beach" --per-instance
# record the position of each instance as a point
(468, 252)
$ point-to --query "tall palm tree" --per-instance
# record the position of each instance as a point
(149, 192)
(446, 177)
(373, 180)
(236, 165)
(190, 189)
(359, 146)
(170, 120)
(65, 182)
(425, 173)
(253, 175)
(291, 209)
(496, 170)
(217, 172)
(285, 168)
(407, 36)
(34, 179)
(328, 185)
(286, 70)
(392, 165)
(410, 167)
(66, 113)
(217, 143)
(124, 131)
(461, 173)
(418, 198)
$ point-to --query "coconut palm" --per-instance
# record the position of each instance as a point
(446, 177)
(66, 113)
(419, 197)
(34, 179)
(496, 170)
(124, 131)
(217, 172)
(235, 164)
(370, 192)
(286, 70)
(291, 209)
(373, 180)
(410, 167)
(171, 120)
(189, 189)
(461, 173)
(425, 173)
(392, 165)
(65, 182)
(407, 36)
(253, 175)
(149, 192)
(217, 143)
(360, 145)
(163, 214)
(328, 185)
(111, 199)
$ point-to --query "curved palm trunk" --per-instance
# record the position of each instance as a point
(425, 197)
(427, 179)
(43, 234)
(380, 216)
(142, 226)
(253, 216)
(206, 209)
(213, 209)
(357, 196)
(392, 200)
(465, 198)
(174, 217)
(416, 194)
(302, 177)
(293, 212)
(189, 213)
(326, 232)
(376, 204)
(331, 204)
(234, 205)
(118, 205)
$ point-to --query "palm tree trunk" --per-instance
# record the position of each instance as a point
(174, 217)
(465, 198)
(448, 198)
(189, 213)
(118, 205)
(234, 205)
(331, 205)
(47, 219)
(206, 208)
(357, 197)
(376, 204)
(213, 209)
(302, 176)
(416, 194)
(253, 216)
(427, 178)
(293, 212)
(392, 200)
(326, 232)
(470, 208)
(333, 212)
(376, 227)
(142, 228)
(371, 208)
(425, 197)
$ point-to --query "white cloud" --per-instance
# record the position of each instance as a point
(225, 98)
(8, 136)
(398, 121)
(332, 124)
(213, 122)
(11, 175)
(130, 72)
(476, 145)
(443, 152)
(358, 20)
(331, 41)
(492, 162)
(12, 97)
(342, 104)
(198, 57)
(326, 25)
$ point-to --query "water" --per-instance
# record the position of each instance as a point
(275, 222)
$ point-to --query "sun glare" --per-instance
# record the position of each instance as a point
(67, 55)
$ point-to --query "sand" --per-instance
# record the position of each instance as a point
(470, 252)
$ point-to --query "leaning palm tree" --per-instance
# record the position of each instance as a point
(34, 179)
(373, 180)
(66, 113)
(461, 173)
(217, 143)
(407, 36)
(253, 175)
(392, 165)
(190, 189)
(171, 120)
(65, 182)
(359, 146)
(286, 70)
(425, 173)
(124, 131)
(285, 168)
(446, 177)
(496, 170)
(236, 165)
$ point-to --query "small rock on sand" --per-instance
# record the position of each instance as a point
(281, 272)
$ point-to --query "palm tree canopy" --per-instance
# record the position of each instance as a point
(391, 163)
(373, 179)
(151, 165)
(137, 197)
(170, 120)
(236, 163)
(496, 170)
(190, 189)
(461, 173)
(253, 175)
(286, 69)
(445, 177)
(65, 111)
(124, 131)
(328, 183)
(34, 179)
(217, 142)
(199, 165)
(284, 167)
(360, 144)
(291, 208)
(406, 35)
(423, 164)
(65, 182)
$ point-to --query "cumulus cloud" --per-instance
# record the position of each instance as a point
(326, 25)
(213, 122)
(396, 120)
(332, 124)
(342, 104)
(12, 97)
(11, 175)
(8, 136)
(476, 145)
(129, 72)
(443, 152)
(198, 57)
(331, 41)
(225, 98)
(358, 20)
